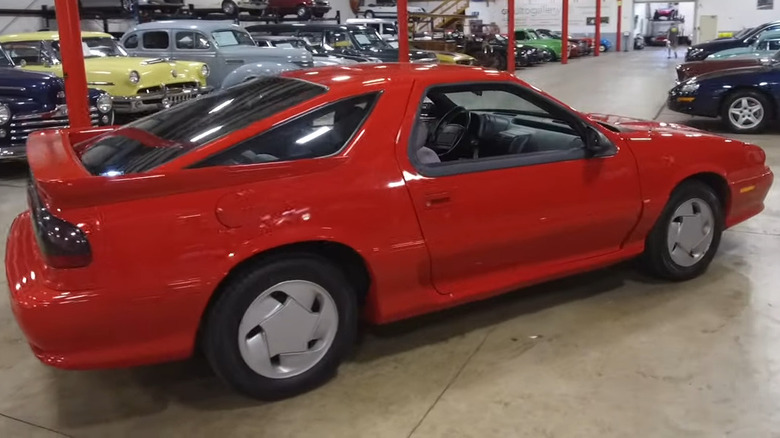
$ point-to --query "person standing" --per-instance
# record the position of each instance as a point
(673, 39)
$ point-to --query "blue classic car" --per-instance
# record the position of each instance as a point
(744, 98)
(31, 101)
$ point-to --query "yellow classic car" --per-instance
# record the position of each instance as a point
(455, 58)
(136, 84)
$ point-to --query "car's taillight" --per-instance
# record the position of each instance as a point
(63, 245)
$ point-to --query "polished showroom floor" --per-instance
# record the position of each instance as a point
(607, 354)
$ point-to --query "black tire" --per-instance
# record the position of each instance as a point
(223, 319)
(603, 48)
(368, 14)
(229, 8)
(302, 12)
(657, 259)
(768, 111)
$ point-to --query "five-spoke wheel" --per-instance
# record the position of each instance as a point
(746, 111)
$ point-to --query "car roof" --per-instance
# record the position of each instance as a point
(361, 74)
(47, 36)
(203, 25)
(277, 37)
(310, 26)
(369, 20)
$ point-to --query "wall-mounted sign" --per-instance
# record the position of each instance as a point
(591, 21)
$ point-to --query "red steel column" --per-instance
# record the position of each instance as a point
(510, 29)
(597, 42)
(73, 62)
(565, 33)
(403, 32)
(619, 26)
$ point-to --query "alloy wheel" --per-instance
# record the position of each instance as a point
(746, 113)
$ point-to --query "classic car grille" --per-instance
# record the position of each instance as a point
(19, 130)
(171, 88)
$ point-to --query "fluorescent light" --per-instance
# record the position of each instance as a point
(307, 138)
(221, 106)
(205, 133)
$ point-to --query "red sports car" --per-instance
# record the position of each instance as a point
(261, 222)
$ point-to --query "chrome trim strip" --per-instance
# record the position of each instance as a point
(109, 84)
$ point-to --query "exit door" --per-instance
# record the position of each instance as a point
(708, 28)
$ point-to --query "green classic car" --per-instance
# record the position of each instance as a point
(530, 37)
(137, 85)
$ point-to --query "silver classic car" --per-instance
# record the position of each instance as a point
(227, 48)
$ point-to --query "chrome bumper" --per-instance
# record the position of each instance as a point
(13, 136)
(150, 102)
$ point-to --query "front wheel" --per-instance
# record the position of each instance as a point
(746, 112)
(369, 14)
(603, 48)
(686, 237)
(281, 328)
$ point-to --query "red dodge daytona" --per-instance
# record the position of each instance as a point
(260, 223)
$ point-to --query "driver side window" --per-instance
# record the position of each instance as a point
(475, 127)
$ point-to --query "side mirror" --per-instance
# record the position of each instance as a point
(751, 40)
(597, 144)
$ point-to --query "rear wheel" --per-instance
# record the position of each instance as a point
(281, 328)
(603, 48)
(746, 112)
(686, 237)
(368, 14)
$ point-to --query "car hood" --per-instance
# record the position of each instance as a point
(629, 126)
(719, 74)
(16, 78)
(250, 54)
(25, 91)
(718, 45)
(698, 68)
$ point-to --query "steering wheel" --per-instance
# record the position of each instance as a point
(458, 131)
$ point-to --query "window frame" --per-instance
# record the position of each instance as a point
(143, 39)
(195, 34)
(377, 95)
(131, 35)
(508, 161)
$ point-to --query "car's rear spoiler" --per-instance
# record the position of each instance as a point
(55, 166)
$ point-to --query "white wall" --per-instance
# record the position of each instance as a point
(737, 14)
(22, 24)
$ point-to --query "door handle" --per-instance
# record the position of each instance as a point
(437, 199)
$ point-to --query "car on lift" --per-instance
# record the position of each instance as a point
(263, 223)
(384, 9)
(228, 49)
(136, 85)
(31, 101)
(321, 58)
(232, 7)
(345, 39)
(164, 6)
(745, 38)
(745, 98)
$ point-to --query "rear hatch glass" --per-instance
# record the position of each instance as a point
(161, 137)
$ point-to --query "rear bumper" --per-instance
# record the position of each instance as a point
(82, 329)
(150, 102)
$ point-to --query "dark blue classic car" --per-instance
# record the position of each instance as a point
(745, 98)
(32, 101)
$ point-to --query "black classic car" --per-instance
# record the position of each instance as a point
(744, 38)
(31, 101)
(343, 39)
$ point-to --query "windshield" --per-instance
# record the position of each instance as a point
(290, 44)
(368, 38)
(743, 33)
(100, 47)
(5, 61)
(227, 38)
(549, 35)
(161, 137)
(533, 35)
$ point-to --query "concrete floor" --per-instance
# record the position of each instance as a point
(607, 354)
